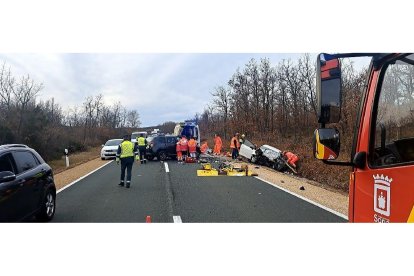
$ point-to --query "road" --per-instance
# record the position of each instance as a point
(174, 190)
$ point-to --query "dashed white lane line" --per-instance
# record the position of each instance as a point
(305, 199)
(166, 167)
(79, 179)
(177, 219)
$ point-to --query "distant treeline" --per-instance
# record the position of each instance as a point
(44, 126)
(276, 105)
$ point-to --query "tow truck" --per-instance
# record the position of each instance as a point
(381, 182)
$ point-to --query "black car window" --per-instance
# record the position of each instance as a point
(160, 139)
(249, 144)
(171, 140)
(6, 163)
(24, 160)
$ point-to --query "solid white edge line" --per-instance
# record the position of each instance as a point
(166, 167)
(79, 179)
(177, 219)
(305, 199)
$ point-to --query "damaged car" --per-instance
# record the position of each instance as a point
(265, 155)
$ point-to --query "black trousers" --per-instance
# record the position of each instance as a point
(234, 153)
(142, 152)
(126, 163)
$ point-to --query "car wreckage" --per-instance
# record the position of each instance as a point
(265, 155)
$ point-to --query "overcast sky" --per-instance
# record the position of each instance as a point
(161, 87)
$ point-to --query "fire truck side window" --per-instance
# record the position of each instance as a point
(394, 126)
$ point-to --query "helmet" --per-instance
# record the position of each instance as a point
(127, 137)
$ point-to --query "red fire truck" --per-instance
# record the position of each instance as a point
(381, 185)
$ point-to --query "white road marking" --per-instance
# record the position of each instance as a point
(305, 199)
(177, 219)
(166, 167)
(79, 179)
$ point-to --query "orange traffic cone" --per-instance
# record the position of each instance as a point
(148, 219)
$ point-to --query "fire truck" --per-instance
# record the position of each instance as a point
(381, 182)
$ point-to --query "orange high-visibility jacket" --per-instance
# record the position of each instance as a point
(192, 145)
(217, 145)
(184, 144)
(292, 158)
(234, 141)
(204, 147)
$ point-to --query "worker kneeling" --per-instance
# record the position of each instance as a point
(291, 158)
(125, 153)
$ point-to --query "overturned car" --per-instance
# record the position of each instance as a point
(265, 155)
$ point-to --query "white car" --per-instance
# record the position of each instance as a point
(247, 149)
(110, 148)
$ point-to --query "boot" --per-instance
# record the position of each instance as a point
(128, 184)
(121, 184)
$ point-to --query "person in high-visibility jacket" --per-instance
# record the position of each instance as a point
(192, 147)
(204, 147)
(217, 144)
(291, 158)
(179, 152)
(235, 146)
(142, 146)
(126, 152)
(184, 146)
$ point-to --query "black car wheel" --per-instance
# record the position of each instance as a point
(162, 156)
(47, 210)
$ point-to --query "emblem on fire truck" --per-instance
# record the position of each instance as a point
(382, 194)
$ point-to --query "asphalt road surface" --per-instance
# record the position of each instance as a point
(173, 192)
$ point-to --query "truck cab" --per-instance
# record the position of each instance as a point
(188, 128)
(381, 183)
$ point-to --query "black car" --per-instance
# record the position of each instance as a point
(161, 147)
(27, 188)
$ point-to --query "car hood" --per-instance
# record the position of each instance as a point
(271, 148)
(110, 148)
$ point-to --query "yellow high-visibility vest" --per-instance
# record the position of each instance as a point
(127, 149)
(141, 141)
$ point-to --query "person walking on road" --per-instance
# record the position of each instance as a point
(217, 144)
(235, 146)
(125, 153)
(142, 146)
(192, 147)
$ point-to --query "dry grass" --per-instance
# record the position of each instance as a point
(75, 159)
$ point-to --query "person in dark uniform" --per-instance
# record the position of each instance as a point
(142, 146)
(126, 152)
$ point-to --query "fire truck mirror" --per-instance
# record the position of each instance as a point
(326, 144)
(328, 89)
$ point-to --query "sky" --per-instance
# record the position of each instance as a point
(161, 87)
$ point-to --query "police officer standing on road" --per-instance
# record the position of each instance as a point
(126, 152)
(142, 146)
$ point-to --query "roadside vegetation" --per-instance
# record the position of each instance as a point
(44, 126)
